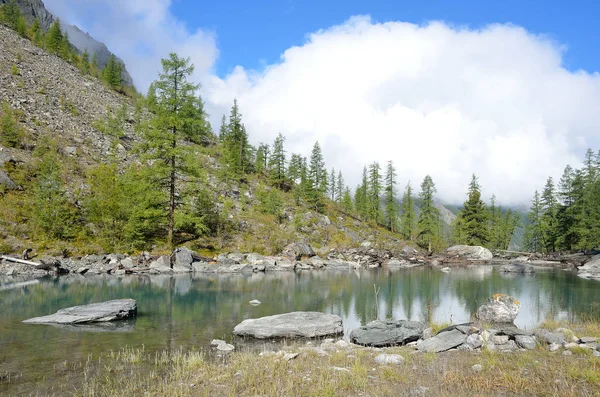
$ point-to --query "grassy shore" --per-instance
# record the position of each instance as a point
(349, 372)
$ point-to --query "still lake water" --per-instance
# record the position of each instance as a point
(187, 311)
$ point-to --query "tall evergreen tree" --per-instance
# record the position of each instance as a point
(54, 38)
(361, 196)
(85, 62)
(569, 184)
(295, 168)
(277, 163)
(549, 220)
(235, 144)
(165, 142)
(13, 17)
(317, 177)
(534, 236)
(331, 185)
(112, 73)
(374, 194)
(391, 205)
(339, 189)
(36, 32)
(347, 205)
(408, 214)
(262, 158)
(473, 217)
(494, 223)
(428, 223)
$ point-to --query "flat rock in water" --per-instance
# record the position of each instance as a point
(387, 333)
(443, 341)
(291, 325)
(117, 309)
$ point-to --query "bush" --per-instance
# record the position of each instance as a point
(10, 131)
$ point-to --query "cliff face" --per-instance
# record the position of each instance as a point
(81, 40)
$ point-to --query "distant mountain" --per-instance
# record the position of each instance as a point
(81, 40)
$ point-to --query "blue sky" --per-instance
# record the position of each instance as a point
(254, 33)
(508, 90)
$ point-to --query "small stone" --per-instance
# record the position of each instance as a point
(570, 345)
(394, 359)
(500, 339)
(588, 339)
(596, 353)
(474, 341)
(255, 302)
(477, 368)
(525, 341)
(340, 369)
(553, 347)
(427, 333)
(217, 342)
(567, 353)
(225, 347)
(290, 356)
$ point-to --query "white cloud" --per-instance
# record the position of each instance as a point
(436, 99)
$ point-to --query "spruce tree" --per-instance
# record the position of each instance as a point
(54, 38)
(473, 217)
(569, 190)
(261, 160)
(112, 73)
(235, 145)
(428, 223)
(347, 205)
(549, 220)
(317, 178)
(391, 205)
(331, 185)
(360, 196)
(85, 62)
(277, 162)
(534, 236)
(294, 171)
(165, 142)
(408, 214)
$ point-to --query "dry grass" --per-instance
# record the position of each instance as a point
(132, 372)
(581, 328)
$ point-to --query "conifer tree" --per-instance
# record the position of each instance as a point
(261, 160)
(339, 189)
(13, 17)
(347, 205)
(165, 147)
(85, 62)
(534, 237)
(374, 194)
(54, 38)
(331, 185)
(235, 144)
(428, 223)
(360, 196)
(112, 73)
(567, 212)
(391, 205)
(317, 178)
(36, 32)
(549, 221)
(408, 214)
(277, 162)
(473, 217)
(295, 168)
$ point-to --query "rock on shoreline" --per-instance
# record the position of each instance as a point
(291, 325)
(118, 309)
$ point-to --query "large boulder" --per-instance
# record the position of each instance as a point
(387, 333)
(117, 309)
(291, 325)
(162, 265)
(469, 252)
(182, 259)
(590, 269)
(443, 341)
(500, 308)
(297, 251)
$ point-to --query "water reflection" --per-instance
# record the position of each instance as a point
(187, 311)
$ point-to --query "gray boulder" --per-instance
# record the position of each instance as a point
(183, 257)
(525, 341)
(517, 268)
(297, 251)
(545, 336)
(443, 341)
(387, 333)
(162, 265)
(394, 359)
(291, 325)
(117, 309)
(591, 269)
(500, 308)
(470, 252)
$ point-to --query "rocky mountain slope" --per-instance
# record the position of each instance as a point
(81, 40)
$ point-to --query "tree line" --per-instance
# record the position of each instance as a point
(566, 216)
(56, 41)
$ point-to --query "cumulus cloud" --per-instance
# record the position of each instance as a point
(435, 99)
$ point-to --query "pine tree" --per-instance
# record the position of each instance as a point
(534, 237)
(408, 214)
(295, 168)
(391, 205)
(569, 190)
(165, 146)
(374, 194)
(360, 196)
(277, 163)
(473, 217)
(111, 73)
(36, 32)
(587, 219)
(339, 189)
(428, 223)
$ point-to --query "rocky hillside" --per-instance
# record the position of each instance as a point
(81, 40)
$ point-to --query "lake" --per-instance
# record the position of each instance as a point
(187, 311)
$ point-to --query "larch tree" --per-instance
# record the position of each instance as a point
(262, 158)
(331, 186)
(317, 177)
(339, 189)
(428, 223)
(534, 236)
(390, 193)
(473, 217)
(374, 193)
(277, 169)
(235, 144)
(408, 214)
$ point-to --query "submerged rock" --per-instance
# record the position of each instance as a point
(387, 333)
(117, 309)
(470, 252)
(517, 268)
(500, 308)
(291, 325)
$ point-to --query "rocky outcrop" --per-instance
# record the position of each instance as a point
(387, 333)
(590, 269)
(117, 309)
(469, 252)
(500, 308)
(291, 325)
